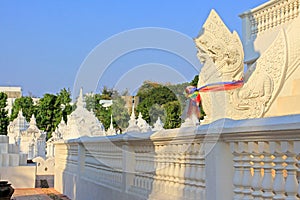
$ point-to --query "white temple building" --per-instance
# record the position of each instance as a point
(27, 136)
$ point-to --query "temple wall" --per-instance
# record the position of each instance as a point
(228, 159)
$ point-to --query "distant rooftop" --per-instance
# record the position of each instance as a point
(11, 91)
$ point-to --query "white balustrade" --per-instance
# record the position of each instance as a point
(272, 14)
(243, 164)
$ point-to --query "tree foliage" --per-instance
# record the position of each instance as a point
(194, 82)
(120, 113)
(4, 120)
(155, 102)
(173, 110)
(26, 104)
(117, 109)
(51, 109)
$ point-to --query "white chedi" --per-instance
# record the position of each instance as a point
(82, 122)
(111, 130)
(27, 136)
(15, 128)
(132, 127)
(56, 136)
(142, 124)
(158, 125)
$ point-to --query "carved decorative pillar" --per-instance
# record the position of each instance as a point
(267, 183)
(257, 178)
(277, 149)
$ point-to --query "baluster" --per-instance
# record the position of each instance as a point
(273, 17)
(267, 183)
(277, 14)
(291, 13)
(297, 152)
(268, 19)
(193, 181)
(282, 13)
(259, 23)
(298, 160)
(296, 8)
(155, 180)
(285, 18)
(263, 19)
(257, 178)
(247, 177)
(279, 182)
(291, 185)
(180, 186)
(202, 176)
(238, 171)
(158, 172)
(187, 180)
(176, 175)
(252, 22)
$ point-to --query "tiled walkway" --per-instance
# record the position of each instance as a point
(38, 194)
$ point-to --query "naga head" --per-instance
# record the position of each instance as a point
(220, 51)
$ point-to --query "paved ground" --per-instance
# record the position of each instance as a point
(38, 194)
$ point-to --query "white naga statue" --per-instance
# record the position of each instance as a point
(222, 55)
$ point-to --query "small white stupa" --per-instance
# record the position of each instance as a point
(30, 139)
(81, 122)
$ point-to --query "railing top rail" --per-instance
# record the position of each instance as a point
(282, 127)
(262, 7)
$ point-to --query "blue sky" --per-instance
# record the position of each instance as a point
(44, 43)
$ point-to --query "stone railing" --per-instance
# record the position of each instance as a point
(245, 159)
(271, 14)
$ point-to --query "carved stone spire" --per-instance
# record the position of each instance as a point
(142, 124)
(32, 121)
(80, 101)
(158, 125)
(132, 127)
(111, 130)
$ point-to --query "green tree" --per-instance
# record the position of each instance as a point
(64, 100)
(194, 82)
(27, 106)
(4, 120)
(48, 113)
(153, 96)
(102, 113)
(118, 110)
(120, 113)
(173, 110)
